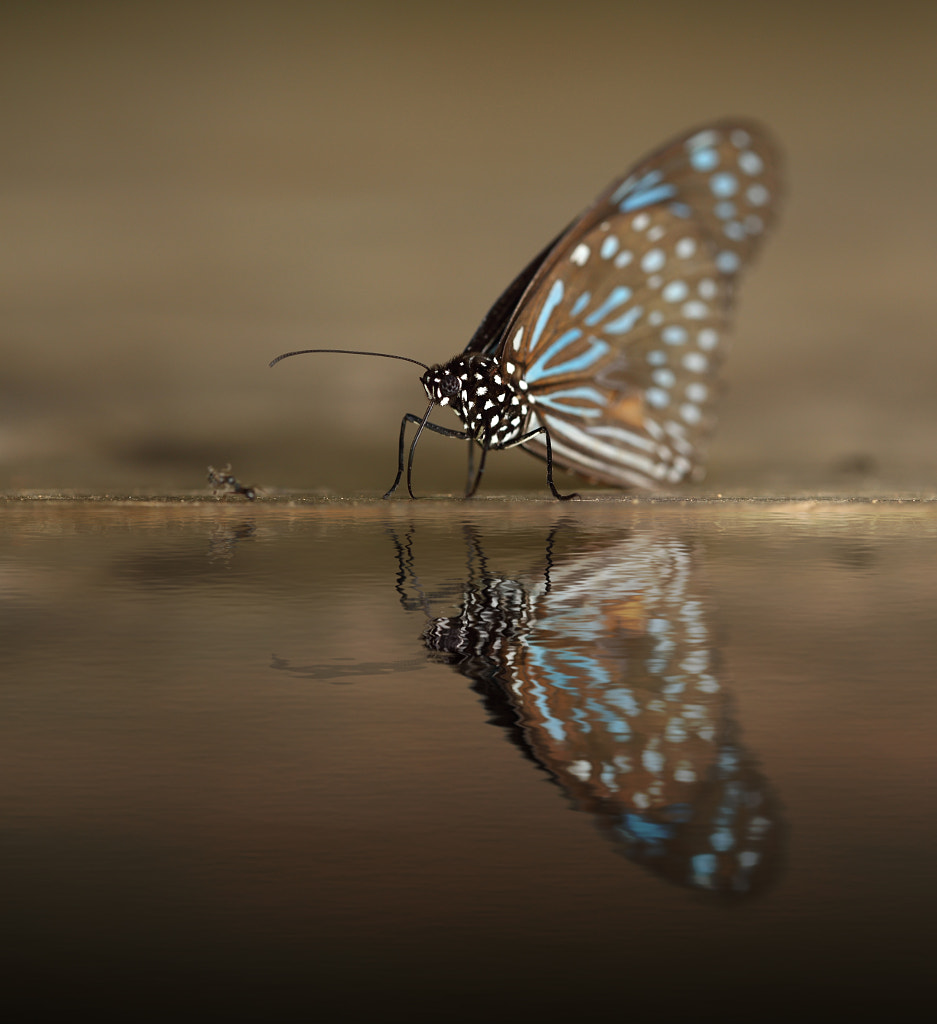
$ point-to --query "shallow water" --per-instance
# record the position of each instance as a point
(471, 759)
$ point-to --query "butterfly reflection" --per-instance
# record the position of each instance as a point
(602, 667)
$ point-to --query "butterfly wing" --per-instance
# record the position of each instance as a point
(618, 335)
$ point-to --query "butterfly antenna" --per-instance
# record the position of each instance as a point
(347, 352)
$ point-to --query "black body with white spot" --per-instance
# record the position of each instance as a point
(492, 408)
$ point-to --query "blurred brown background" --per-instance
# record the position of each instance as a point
(188, 189)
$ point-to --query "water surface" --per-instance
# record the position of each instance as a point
(470, 759)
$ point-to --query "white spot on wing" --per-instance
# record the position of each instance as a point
(751, 163)
(703, 140)
(728, 262)
(623, 258)
(757, 195)
(707, 339)
(657, 397)
(653, 260)
(685, 248)
(690, 413)
(696, 362)
(676, 291)
(695, 310)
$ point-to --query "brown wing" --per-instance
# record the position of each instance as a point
(618, 337)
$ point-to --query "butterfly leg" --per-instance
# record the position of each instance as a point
(556, 493)
(473, 481)
(470, 474)
(421, 423)
(546, 434)
(409, 418)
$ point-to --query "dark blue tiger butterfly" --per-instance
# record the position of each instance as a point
(602, 354)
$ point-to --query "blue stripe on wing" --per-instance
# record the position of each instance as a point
(554, 298)
(617, 297)
(647, 190)
(568, 401)
(540, 369)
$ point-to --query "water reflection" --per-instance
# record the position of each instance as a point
(602, 667)
(224, 538)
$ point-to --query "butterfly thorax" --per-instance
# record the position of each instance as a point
(493, 408)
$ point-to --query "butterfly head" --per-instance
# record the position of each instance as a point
(443, 385)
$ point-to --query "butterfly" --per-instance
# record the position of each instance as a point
(602, 355)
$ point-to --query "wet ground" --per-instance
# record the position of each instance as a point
(503, 757)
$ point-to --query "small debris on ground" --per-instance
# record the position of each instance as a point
(222, 481)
